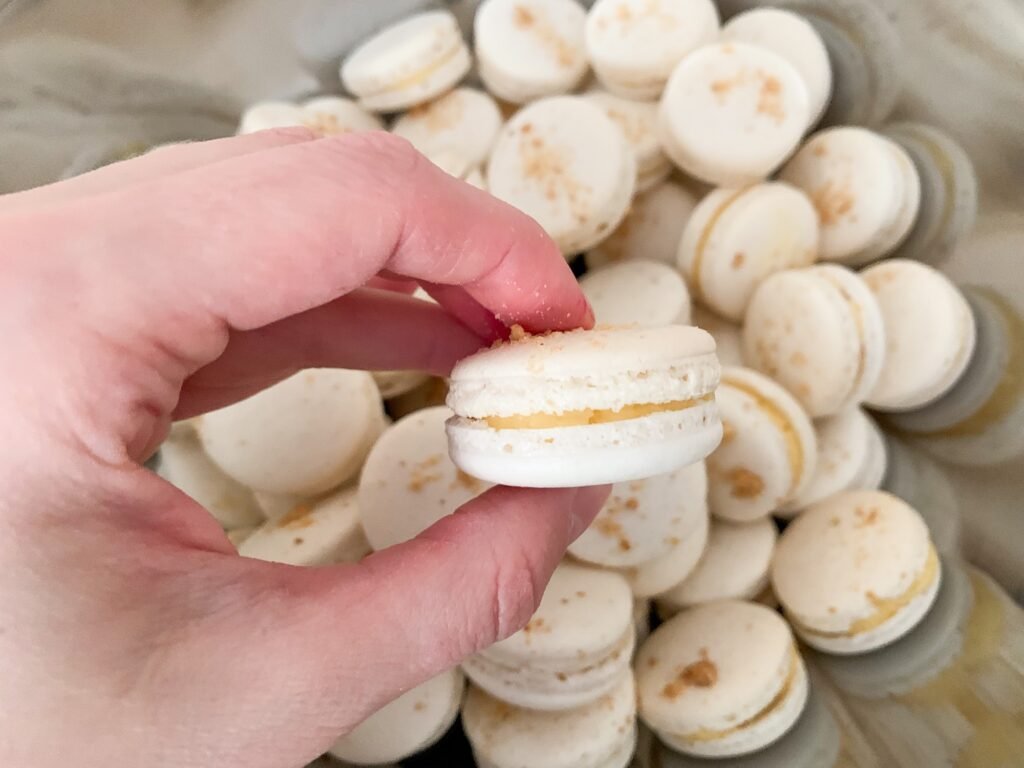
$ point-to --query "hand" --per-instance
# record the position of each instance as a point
(170, 285)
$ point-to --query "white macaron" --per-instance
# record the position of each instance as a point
(930, 334)
(856, 572)
(564, 162)
(644, 293)
(769, 451)
(728, 335)
(737, 238)
(652, 228)
(530, 49)
(865, 188)
(586, 407)
(721, 680)
(634, 45)
(639, 123)
(732, 113)
(408, 63)
(574, 650)
(304, 436)
(820, 332)
(465, 120)
(326, 115)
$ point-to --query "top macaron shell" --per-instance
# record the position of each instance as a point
(644, 293)
(465, 120)
(530, 49)
(639, 123)
(732, 113)
(634, 45)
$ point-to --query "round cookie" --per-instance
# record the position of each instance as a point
(326, 115)
(930, 334)
(728, 335)
(639, 123)
(303, 436)
(465, 120)
(564, 162)
(735, 239)
(856, 572)
(819, 332)
(732, 113)
(586, 407)
(721, 680)
(644, 293)
(768, 453)
(574, 650)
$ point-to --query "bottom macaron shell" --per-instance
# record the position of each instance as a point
(597, 454)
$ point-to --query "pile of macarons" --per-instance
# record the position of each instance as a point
(761, 250)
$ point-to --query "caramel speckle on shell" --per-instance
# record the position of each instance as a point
(699, 674)
(745, 484)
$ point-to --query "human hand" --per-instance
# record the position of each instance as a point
(180, 282)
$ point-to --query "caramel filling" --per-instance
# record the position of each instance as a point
(589, 416)
(705, 239)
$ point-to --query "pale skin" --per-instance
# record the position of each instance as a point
(167, 286)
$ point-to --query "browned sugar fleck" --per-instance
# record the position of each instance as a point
(832, 609)
(632, 504)
(866, 517)
(299, 541)
(738, 260)
(745, 484)
(562, 677)
(324, 124)
(523, 17)
(722, 87)
(581, 594)
(770, 101)
(537, 625)
(297, 518)
(652, 662)
(699, 674)
(419, 706)
(832, 201)
(608, 526)
(820, 150)
(798, 359)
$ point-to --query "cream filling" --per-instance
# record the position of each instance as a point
(696, 277)
(590, 416)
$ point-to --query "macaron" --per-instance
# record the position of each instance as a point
(411, 723)
(408, 482)
(586, 407)
(644, 293)
(949, 192)
(737, 238)
(326, 115)
(303, 436)
(564, 162)
(732, 113)
(530, 49)
(930, 334)
(465, 120)
(851, 457)
(408, 63)
(865, 188)
(575, 649)
(634, 45)
(274, 506)
(794, 39)
(728, 335)
(735, 566)
(322, 533)
(643, 520)
(980, 421)
(819, 332)
(856, 572)
(639, 122)
(598, 735)
(721, 680)
(185, 465)
(769, 452)
(651, 230)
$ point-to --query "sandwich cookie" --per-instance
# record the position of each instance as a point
(819, 332)
(769, 452)
(185, 465)
(980, 421)
(735, 566)
(303, 436)
(644, 520)
(721, 680)
(644, 293)
(564, 162)
(793, 38)
(865, 188)
(737, 238)
(411, 723)
(409, 483)
(408, 63)
(634, 45)
(856, 572)
(323, 533)
(851, 457)
(651, 230)
(639, 122)
(949, 192)
(727, 334)
(930, 334)
(326, 115)
(465, 120)
(586, 407)
(732, 113)
(575, 649)
(529, 49)
(602, 734)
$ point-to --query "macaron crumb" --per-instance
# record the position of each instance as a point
(702, 673)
